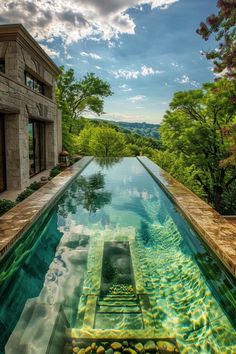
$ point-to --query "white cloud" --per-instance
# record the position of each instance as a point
(125, 88)
(111, 44)
(176, 65)
(184, 79)
(50, 40)
(127, 74)
(98, 67)
(134, 74)
(73, 20)
(138, 98)
(51, 52)
(145, 71)
(91, 55)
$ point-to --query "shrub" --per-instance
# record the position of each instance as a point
(26, 193)
(54, 171)
(6, 205)
(35, 186)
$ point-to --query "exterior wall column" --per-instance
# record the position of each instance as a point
(51, 145)
(24, 150)
(59, 132)
(53, 132)
(12, 142)
(17, 151)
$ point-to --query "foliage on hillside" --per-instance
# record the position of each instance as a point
(144, 129)
(106, 139)
(77, 97)
(194, 142)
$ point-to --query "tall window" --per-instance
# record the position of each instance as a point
(34, 83)
(2, 66)
(37, 155)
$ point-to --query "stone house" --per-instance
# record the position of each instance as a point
(30, 123)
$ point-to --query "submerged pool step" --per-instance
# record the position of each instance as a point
(123, 296)
(110, 297)
(118, 309)
(119, 303)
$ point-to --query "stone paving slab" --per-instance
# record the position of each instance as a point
(216, 231)
(17, 220)
(93, 334)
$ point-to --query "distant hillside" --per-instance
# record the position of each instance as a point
(144, 129)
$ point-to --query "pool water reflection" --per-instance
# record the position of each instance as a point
(116, 208)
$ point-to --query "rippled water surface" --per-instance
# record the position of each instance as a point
(192, 298)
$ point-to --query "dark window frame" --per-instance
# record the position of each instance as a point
(2, 65)
(37, 85)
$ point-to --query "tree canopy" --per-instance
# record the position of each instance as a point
(193, 127)
(102, 141)
(223, 25)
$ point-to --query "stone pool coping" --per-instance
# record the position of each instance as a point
(218, 233)
(17, 220)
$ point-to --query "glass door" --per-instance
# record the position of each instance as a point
(37, 156)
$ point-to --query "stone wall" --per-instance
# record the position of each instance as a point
(19, 104)
(19, 59)
(13, 158)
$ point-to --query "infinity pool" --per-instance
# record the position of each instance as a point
(115, 256)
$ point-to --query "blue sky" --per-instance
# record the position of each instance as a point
(146, 49)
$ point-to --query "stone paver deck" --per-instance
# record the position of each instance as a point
(231, 219)
(216, 231)
(12, 194)
(19, 219)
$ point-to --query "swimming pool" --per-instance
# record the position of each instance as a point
(114, 258)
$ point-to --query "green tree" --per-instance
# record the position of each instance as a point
(230, 135)
(224, 26)
(84, 140)
(107, 142)
(193, 127)
(101, 141)
(77, 97)
(175, 164)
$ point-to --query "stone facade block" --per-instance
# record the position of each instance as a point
(19, 103)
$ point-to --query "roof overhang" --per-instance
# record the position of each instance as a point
(18, 33)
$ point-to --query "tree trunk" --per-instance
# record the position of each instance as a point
(218, 191)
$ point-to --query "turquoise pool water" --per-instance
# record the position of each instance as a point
(192, 297)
